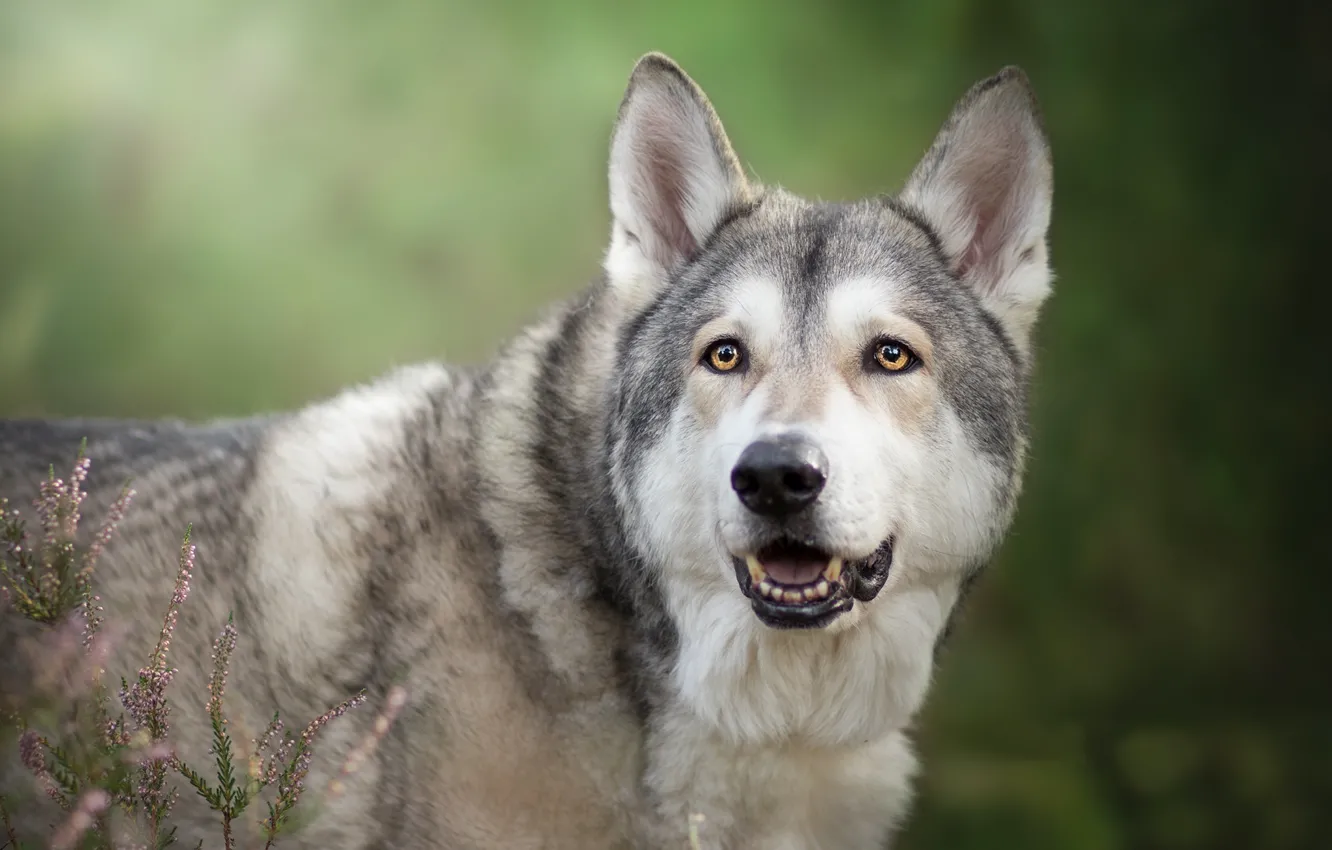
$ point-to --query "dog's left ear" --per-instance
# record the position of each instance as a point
(673, 175)
(985, 186)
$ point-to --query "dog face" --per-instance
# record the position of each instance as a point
(818, 396)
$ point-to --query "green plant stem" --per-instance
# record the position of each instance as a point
(9, 826)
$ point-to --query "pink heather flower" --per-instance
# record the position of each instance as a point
(58, 506)
(52, 495)
(114, 516)
(91, 609)
(396, 699)
(76, 494)
(222, 649)
(91, 804)
(30, 751)
(296, 783)
(178, 597)
(31, 755)
(281, 756)
(145, 700)
(266, 771)
(312, 731)
(116, 733)
(153, 759)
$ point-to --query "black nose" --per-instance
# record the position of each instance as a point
(779, 477)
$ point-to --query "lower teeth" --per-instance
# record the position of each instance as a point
(791, 595)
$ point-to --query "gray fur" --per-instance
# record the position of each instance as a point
(478, 536)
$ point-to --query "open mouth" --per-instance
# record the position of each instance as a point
(794, 585)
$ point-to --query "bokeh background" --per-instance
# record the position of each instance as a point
(215, 208)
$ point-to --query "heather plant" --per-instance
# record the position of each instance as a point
(113, 777)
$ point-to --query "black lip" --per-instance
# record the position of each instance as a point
(868, 576)
(810, 615)
(861, 580)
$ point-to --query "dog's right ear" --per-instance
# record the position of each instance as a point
(673, 175)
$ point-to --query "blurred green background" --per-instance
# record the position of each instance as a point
(213, 208)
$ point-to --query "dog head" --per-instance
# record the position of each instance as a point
(813, 397)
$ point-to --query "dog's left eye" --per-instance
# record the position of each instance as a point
(724, 355)
(893, 356)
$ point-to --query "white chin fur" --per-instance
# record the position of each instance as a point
(860, 679)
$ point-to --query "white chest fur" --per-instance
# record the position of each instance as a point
(791, 740)
(787, 797)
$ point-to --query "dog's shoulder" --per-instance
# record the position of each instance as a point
(374, 458)
(371, 435)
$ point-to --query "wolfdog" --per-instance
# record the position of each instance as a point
(685, 547)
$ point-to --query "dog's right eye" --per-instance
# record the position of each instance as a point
(724, 355)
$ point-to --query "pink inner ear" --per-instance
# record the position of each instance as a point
(992, 182)
(667, 188)
(970, 258)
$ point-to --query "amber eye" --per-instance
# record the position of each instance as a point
(893, 355)
(724, 355)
